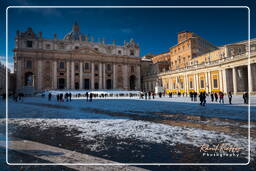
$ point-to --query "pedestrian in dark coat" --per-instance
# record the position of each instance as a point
(91, 95)
(245, 97)
(87, 96)
(216, 97)
(230, 97)
(195, 96)
(49, 96)
(221, 97)
(212, 97)
(70, 96)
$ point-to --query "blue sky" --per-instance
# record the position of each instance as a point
(154, 29)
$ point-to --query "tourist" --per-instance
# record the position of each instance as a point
(245, 97)
(153, 95)
(202, 97)
(61, 97)
(146, 95)
(49, 96)
(70, 96)
(58, 97)
(230, 97)
(221, 94)
(191, 94)
(91, 95)
(149, 95)
(212, 97)
(87, 96)
(160, 94)
(216, 97)
(195, 96)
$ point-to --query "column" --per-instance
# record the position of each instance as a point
(19, 83)
(170, 83)
(186, 83)
(104, 76)
(72, 75)
(100, 75)
(68, 75)
(92, 76)
(55, 75)
(209, 81)
(39, 75)
(234, 80)
(195, 88)
(125, 77)
(206, 82)
(224, 79)
(138, 78)
(81, 76)
(114, 76)
(177, 84)
(220, 79)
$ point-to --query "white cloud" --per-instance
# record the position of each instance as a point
(10, 65)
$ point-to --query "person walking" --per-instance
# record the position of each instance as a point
(212, 97)
(91, 95)
(153, 95)
(221, 94)
(146, 95)
(195, 96)
(230, 97)
(70, 96)
(245, 97)
(201, 98)
(216, 97)
(87, 96)
(49, 96)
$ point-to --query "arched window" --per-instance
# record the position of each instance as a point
(86, 66)
(108, 67)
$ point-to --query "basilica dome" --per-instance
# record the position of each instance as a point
(75, 34)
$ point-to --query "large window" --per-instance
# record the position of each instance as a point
(29, 44)
(108, 67)
(61, 65)
(86, 66)
(190, 84)
(96, 67)
(215, 83)
(202, 83)
(76, 66)
(29, 64)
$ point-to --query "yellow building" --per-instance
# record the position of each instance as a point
(195, 65)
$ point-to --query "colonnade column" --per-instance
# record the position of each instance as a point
(104, 76)
(209, 81)
(220, 80)
(195, 88)
(114, 76)
(206, 83)
(234, 80)
(39, 75)
(92, 76)
(72, 75)
(81, 76)
(100, 75)
(125, 77)
(68, 75)
(138, 77)
(55, 75)
(224, 81)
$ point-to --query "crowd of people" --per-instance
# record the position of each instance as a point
(89, 96)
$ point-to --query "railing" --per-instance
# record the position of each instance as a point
(216, 62)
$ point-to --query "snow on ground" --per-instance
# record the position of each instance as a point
(92, 125)
(139, 130)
